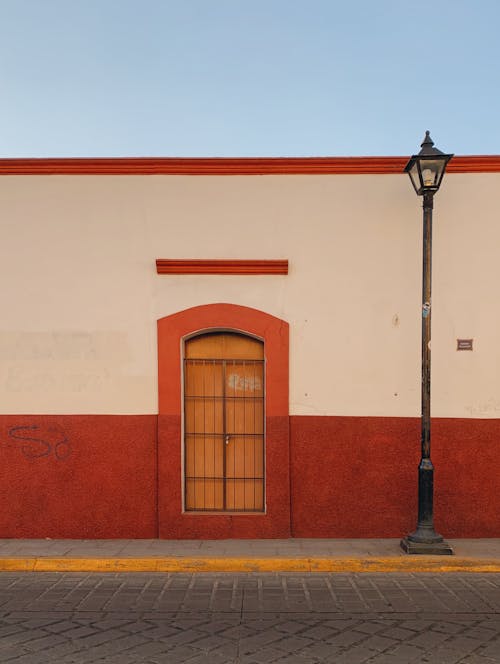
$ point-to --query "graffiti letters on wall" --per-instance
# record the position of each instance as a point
(35, 441)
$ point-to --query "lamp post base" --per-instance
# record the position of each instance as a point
(441, 548)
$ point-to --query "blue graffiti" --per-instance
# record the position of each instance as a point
(36, 441)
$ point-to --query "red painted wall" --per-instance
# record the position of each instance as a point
(78, 476)
(95, 476)
(357, 476)
(466, 454)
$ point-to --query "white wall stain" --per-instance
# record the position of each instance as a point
(492, 406)
(244, 383)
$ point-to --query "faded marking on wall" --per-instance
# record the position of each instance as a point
(35, 379)
(36, 441)
(62, 361)
(64, 346)
(484, 408)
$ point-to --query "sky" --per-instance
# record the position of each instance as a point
(248, 78)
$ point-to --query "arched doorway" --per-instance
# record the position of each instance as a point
(268, 513)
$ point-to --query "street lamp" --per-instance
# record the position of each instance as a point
(426, 170)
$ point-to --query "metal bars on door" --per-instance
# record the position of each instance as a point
(224, 435)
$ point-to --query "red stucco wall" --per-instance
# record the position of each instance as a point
(357, 476)
(94, 476)
(78, 476)
(467, 454)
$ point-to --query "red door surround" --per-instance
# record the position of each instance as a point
(172, 330)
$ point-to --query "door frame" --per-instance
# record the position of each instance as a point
(224, 451)
(173, 522)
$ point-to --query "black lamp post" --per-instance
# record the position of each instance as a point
(426, 170)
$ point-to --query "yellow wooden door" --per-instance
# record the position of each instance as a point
(224, 423)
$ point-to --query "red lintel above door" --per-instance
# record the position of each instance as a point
(220, 266)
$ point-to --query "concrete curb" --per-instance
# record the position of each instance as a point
(409, 564)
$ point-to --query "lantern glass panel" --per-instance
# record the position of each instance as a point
(415, 176)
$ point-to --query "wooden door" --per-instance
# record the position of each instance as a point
(224, 423)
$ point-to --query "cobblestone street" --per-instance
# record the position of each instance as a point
(303, 619)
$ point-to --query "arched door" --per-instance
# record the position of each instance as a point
(224, 423)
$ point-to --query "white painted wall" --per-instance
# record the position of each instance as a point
(80, 295)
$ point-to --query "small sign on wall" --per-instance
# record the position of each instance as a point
(464, 344)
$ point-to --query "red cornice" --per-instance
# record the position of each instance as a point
(235, 166)
(220, 266)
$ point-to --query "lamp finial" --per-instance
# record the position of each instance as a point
(427, 146)
(427, 140)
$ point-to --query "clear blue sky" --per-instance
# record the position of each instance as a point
(248, 77)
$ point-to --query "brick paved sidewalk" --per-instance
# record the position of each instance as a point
(290, 555)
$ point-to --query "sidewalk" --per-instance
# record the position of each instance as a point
(269, 555)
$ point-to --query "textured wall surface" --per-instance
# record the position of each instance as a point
(95, 477)
(78, 476)
(357, 477)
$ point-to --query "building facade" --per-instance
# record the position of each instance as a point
(218, 348)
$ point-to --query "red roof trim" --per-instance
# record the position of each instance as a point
(234, 166)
